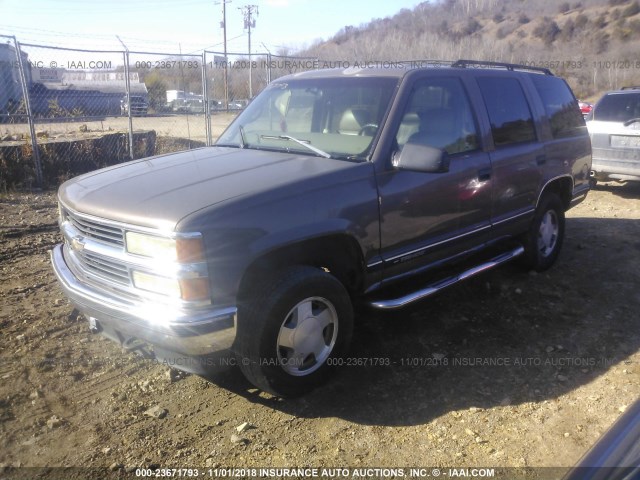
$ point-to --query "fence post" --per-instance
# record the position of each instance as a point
(205, 96)
(27, 107)
(268, 67)
(127, 83)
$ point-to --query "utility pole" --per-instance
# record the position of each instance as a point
(223, 25)
(268, 63)
(249, 23)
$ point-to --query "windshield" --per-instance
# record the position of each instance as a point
(337, 117)
(617, 107)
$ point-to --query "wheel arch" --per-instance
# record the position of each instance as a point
(562, 186)
(339, 254)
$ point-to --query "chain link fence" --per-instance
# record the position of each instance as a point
(18, 139)
(67, 111)
(238, 76)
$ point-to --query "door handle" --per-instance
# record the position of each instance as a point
(541, 159)
(484, 174)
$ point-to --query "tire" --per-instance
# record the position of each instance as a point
(289, 334)
(543, 242)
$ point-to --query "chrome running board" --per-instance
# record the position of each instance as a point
(446, 282)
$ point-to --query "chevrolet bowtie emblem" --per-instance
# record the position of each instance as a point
(77, 242)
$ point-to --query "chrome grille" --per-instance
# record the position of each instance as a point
(103, 267)
(96, 230)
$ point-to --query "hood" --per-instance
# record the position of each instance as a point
(159, 191)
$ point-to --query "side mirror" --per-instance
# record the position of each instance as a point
(421, 158)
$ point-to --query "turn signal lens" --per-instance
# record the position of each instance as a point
(190, 250)
(194, 289)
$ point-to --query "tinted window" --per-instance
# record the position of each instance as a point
(509, 113)
(561, 106)
(439, 115)
(617, 107)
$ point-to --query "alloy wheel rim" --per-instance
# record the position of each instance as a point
(307, 336)
(548, 233)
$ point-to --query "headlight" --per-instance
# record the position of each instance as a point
(173, 274)
(180, 249)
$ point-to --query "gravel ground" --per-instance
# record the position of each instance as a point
(509, 369)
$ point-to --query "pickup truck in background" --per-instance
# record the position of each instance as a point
(379, 185)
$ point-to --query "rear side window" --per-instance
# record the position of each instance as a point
(617, 107)
(561, 106)
(508, 109)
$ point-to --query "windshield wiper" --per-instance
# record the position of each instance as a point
(304, 143)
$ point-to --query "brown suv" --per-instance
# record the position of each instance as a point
(381, 185)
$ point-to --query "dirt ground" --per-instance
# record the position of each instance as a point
(510, 369)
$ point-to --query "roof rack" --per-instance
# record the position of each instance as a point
(631, 87)
(424, 63)
(509, 66)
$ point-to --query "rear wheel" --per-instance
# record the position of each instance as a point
(544, 240)
(290, 333)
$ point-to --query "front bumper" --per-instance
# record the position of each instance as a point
(195, 333)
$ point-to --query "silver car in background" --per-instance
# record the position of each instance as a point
(614, 128)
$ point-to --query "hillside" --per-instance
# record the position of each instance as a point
(594, 44)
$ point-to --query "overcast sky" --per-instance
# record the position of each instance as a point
(166, 25)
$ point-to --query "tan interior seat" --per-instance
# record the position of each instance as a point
(352, 121)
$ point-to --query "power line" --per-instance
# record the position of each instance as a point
(216, 44)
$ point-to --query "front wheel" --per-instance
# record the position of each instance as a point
(290, 334)
(544, 240)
